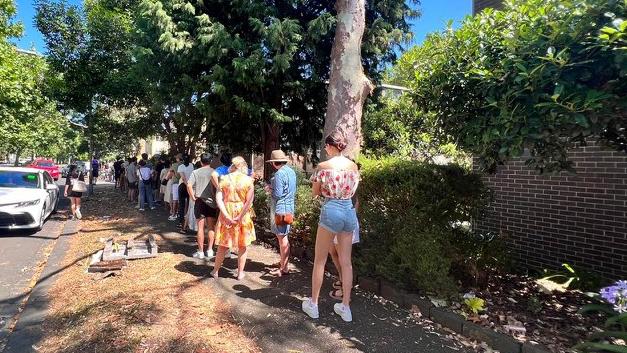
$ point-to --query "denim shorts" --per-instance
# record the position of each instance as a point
(274, 228)
(338, 216)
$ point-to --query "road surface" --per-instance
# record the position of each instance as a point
(22, 256)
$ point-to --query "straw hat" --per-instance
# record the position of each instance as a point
(277, 156)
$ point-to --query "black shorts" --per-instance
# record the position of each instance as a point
(132, 185)
(202, 210)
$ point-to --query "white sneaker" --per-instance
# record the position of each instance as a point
(153, 208)
(78, 214)
(142, 210)
(137, 206)
(228, 254)
(199, 255)
(344, 312)
(310, 308)
(172, 218)
(210, 253)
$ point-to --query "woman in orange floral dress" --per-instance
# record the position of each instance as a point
(235, 226)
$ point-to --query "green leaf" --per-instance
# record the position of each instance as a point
(604, 347)
(593, 308)
(607, 334)
(615, 320)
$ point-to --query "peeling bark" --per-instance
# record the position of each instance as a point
(348, 85)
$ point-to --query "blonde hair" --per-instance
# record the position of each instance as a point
(239, 164)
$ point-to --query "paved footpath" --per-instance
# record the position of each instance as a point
(267, 308)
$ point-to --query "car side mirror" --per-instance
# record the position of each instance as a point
(52, 187)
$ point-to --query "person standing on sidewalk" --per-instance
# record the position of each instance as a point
(336, 180)
(184, 171)
(235, 225)
(73, 176)
(283, 191)
(202, 186)
(174, 187)
(131, 176)
(146, 194)
(95, 172)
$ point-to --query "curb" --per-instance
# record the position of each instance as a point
(28, 330)
(413, 302)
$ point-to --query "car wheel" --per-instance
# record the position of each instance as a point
(42, 218)
(56, 205)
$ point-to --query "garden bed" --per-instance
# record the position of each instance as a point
(549, 319)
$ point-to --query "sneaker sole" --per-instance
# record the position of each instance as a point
(340, 315)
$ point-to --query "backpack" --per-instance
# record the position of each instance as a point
(209, 195)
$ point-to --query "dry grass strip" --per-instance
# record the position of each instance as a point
(150, 307)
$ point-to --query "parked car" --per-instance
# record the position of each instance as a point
(48, 165)
(27, 197)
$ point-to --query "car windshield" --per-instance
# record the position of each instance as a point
(45, 164)
(15, 179)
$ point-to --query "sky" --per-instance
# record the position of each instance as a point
(435, 15)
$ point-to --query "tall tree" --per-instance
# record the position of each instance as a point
(90, 47)
(29, 121)
(540, 76)
(348, 85)
(257, 72)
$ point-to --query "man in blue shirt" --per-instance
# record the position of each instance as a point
(225, 159)
(283, 191)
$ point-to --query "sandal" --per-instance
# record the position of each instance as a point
(336, 294)
(278, 272)
(337, 285)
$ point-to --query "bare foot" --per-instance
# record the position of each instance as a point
(241, 276)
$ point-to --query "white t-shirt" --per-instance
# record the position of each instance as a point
(186, 171)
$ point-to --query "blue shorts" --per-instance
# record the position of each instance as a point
(338, 216)
(274, 228)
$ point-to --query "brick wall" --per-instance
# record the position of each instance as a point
(478, 5)
(578, 219)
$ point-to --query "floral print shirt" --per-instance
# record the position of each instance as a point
(337, 184)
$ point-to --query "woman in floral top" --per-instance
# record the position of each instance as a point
(336, 180)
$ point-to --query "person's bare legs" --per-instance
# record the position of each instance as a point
(336, 260)
(345, 246)
(174, 206)
(73, 203)
(78, 204)
(284, 250)
(210, 223)
(241, 262)
(219, 261)
(324, 240)
(200, 234)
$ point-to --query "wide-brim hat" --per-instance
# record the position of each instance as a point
(278, 156)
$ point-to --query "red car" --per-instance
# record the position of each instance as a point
(47, 165)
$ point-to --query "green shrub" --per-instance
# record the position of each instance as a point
(410, 214)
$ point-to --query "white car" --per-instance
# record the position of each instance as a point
(27, 197)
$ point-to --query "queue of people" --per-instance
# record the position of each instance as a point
(217, 205)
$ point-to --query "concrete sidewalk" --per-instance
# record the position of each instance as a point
(269, 308)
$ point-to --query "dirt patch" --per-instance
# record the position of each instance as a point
(150, 306)
(550, 319)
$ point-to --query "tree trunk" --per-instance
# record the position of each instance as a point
(270, 132)
(348, 85)
(17, 158)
